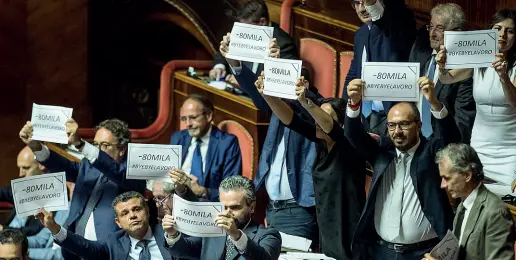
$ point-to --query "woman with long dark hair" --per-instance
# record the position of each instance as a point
(494, 91)
(338, 172)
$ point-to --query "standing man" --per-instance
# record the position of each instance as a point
(13, 245)
(481, 211)
(386, 35)
(209, 155)
(96, 182)
(458, 97)
(406, 212)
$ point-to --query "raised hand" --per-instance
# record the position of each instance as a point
(355, 90)
(217, 73)
(259, 83)
(179, 178)
(226, 221)
(72, 131)
(169, 225)
(440, 58)
(196, 188)
(426, 87)
(47, 220)
(500, 65)
(301, 86)
(26, 133)
(274, 49)
(224, 49)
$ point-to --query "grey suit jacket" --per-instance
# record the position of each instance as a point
(262, 244)
(489, 231)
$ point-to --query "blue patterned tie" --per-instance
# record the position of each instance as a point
(197, 163)
(425, 106)
(367, 107)
(145, 253)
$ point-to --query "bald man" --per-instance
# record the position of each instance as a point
(406, 211)
(27, 163)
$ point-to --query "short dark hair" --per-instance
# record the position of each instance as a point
(239, 183)
(119, 129)
(207, 106)
(339, 106)
(463, 159)
(124, 197)
(14, 236)
(252, 11)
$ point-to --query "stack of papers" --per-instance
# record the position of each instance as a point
(304, 256)
(294, 242)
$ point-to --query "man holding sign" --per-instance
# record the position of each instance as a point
(245, 239)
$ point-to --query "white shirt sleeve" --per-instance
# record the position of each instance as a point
(172, 241)
(440, 114)
(241, 244)
(219, 66)
(61, 235)
(43, 154)
(352, 113)
(376, 10)
(90, 152)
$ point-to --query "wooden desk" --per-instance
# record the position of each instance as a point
(227, 107)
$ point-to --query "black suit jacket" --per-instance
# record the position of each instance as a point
(423, 172)
(288, 49)
(458, 97)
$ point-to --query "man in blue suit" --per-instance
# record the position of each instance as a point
(386, 35)
(90, 212)
(139, 239)
(209, 155)
(245, 239)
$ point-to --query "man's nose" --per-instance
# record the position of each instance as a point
(22, 173)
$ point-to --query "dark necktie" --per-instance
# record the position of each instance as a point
(425, 106)
(460, 219)
(95, 194)
(196, 169)
(230, 250)
(145, 253)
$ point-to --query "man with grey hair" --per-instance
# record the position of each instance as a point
(481, 211)
(245, 239)
(458, 97)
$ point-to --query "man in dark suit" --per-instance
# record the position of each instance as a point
(245, 239)
(139, 237)
(13, 245)
(96, 184)
(209, 155)
(255, 12)
(458, 97)
(386, 35)
(481, 210)
(406, 212)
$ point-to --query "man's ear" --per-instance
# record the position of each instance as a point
(252, 207)
(469, 176)
(118, 222)
(122, 152)
(209, 115)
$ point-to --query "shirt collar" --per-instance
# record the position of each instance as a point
(205, 138)
(468, 202)
(410, 151)
(148, 236)
(434, 52)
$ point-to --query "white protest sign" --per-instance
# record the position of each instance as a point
(152, 161)
(41, 191)
(280, 77)
(390, 81)
(197, 219)
(470, 49)
(447, 249)
(49, 123)
(249, 42)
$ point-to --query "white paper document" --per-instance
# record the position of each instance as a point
(304, 256)
(197, 219)
(280, 77)
(152, 161)
(470, 49)
(49, 123)
(249, 42)
(42, 191)
(295, 242)
(391, 81)
(447, 249)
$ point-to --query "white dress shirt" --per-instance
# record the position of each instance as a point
(468, 203)
(187, 164)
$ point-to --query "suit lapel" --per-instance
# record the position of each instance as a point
(159, 236)
(414, 163)
(213, 148)
(126, 245)
(186, 144)
(250, 232)
(474, 214)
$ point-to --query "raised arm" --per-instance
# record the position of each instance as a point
(509, 87)
(278, 107)
(177, 244)
(450, 76)
(323, 119)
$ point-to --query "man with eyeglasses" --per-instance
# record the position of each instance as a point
(209, 155)
(406, 212)
(387, 32)
(458, 97)
(96, 183)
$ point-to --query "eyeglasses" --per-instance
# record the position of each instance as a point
(191, 117)
(438, 29)
(404, 125)
(161, 201)
(103, 145)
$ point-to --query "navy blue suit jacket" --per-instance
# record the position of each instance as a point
(223, 158)
(85, 175)
(262, 244)
(389, 40)
(116, 247)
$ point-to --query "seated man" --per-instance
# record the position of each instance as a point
(162, 193)
(137, 239)
(483, 223)
(255, 12)
(245, 240)
(209, 155)
(13, 245)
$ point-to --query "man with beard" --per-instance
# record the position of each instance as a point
(457, 97)
(245, 239)
(406, 212)
(209, 155)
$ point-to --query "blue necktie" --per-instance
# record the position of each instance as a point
(367, 107)
(425, 106)
(145, 253)
(197, 163)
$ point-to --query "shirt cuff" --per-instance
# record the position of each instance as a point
(43, 154)
(352, 113)
(61, 235)
(219, 66)
(375, 11)
(236, 70)
(172, 241)
(240, 244)
(90, 152)
(440, 114)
